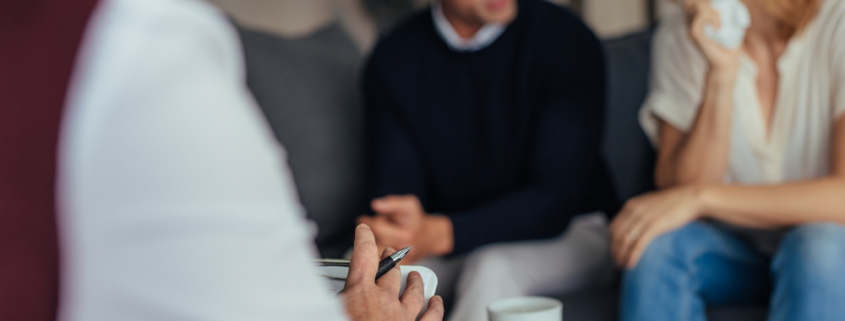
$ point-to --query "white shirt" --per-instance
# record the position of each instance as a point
(174, 199)
(811, 97)
(482, 38)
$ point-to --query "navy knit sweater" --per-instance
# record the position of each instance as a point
(505, 140)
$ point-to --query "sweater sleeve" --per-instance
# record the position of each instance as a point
(564, 164)
(396, 166)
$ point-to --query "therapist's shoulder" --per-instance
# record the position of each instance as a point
(173, 25)
(166, 15)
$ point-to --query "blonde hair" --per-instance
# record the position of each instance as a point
(794, 15)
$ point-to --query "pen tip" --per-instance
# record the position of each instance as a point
(400, 254)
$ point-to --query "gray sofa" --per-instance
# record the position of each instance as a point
(309, 90)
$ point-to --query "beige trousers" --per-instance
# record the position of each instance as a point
(577, 259)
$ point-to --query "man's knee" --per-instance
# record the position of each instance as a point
(489, 262)
(811, 255)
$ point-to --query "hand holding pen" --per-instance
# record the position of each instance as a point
(369, 299)
(387, 263)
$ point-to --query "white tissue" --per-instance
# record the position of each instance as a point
(734, 18)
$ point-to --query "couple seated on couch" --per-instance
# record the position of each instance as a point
(159, 214)
(486, 119)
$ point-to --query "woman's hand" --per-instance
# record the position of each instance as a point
(721, 59)
(648, 216)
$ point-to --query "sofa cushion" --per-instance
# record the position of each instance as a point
(603, 305)
(308, 89)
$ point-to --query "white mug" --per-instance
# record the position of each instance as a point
(526, 308)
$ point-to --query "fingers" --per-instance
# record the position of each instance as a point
(627, 236)
(392, 280)
(390, 234)
(386, 252)
(704, 14)
(365, 219)
(394, 203)
(623, 258)
(629, 229)
(711, 16)
(620, 230)
(364, 262)
(414, 296)
(373, 223)
(403, 210)
(627, 250)
(435, 310)
(639, 248)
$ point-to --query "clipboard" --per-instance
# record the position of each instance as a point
(335, 271)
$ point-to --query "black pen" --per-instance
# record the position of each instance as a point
(390, 262)
(387, 264)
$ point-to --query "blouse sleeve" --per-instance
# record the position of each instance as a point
(677, 79)
(838, 62)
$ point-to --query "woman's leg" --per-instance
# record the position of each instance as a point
(682, 270)
(809, 273)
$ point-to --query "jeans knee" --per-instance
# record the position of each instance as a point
(667, 250)
(811, 255)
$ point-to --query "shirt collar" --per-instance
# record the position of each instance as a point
(483, 38)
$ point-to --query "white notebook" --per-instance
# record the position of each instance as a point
(335, 272)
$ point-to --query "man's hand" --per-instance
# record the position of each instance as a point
(401, 221)
(368, 300)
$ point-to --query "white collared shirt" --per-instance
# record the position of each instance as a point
(175, 201)
(811, 98)
(483, 38)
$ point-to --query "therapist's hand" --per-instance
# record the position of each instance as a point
(401, 221)
(368, 300)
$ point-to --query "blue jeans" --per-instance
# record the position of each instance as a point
(683, 271)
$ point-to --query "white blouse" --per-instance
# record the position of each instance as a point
(811, 97)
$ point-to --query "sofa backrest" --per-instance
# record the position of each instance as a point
(627, 151)
(308, 89)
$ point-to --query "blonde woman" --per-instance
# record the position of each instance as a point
(751, 168)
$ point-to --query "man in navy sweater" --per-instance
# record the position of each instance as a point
(485, 122)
